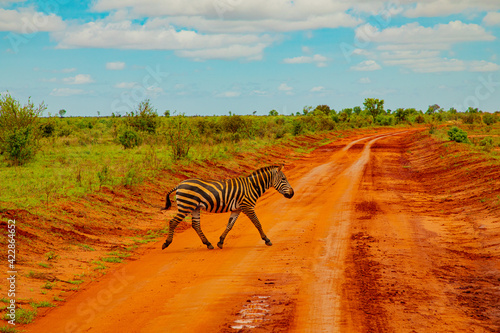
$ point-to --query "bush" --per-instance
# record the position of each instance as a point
(233, 124)
(487, 144)
(384, 120)
(180, 136)
(144, 119)
(458, 135)
(18, 129)
(298, 127)
(47, 129)
(129, 139)
(489, 119)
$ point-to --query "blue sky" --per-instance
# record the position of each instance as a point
(209, 57)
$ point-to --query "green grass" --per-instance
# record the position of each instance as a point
(86, 247)
(112, 259)
(119, 254)
(23, 316)
(76, 282)
(99, 265)
(42, 304)
(49, 285)
(8, 329)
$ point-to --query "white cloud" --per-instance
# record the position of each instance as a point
(203, 29)
(63, 92)
(240, 16)
(78, 79)
(27, 21)
(125, 85)
(231, 52)
(284, 87)
(229, 94)
(438, 37)
(306, 50)
(492, 18)
(483, 66)
(317, 59)
(155, 34)
(115, 66)
(317, 89)
(420, 48)
(365, 80)
(367, 65)
(435, 8)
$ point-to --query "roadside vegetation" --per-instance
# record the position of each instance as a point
(46, 158)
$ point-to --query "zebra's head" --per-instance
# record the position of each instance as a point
(281, 184)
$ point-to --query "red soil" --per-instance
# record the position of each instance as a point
(387, 232)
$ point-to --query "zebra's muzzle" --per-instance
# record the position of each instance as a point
(289, 195)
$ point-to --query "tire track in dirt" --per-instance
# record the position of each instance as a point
(323, 291)
(400, 275)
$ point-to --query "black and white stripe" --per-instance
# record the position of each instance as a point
(234, 195)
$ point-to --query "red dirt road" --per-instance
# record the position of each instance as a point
(362, 247)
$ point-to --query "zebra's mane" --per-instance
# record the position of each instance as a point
(264, 169)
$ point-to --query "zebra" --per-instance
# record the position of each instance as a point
(233, 195)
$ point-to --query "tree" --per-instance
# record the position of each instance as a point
(145, 118)
(273, 113)
(324, 108)
(432, 109)
(489, 119)
(374, 106)
(62, 112)
(402, 115)
(18, 129)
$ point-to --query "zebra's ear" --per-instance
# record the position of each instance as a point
(280, 167)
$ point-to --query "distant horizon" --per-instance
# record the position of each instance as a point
(212, 57)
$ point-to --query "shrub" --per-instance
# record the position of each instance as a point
(47, 129)
(489, 119)
(298, 127)
(471, 118)
(419, 119)
(144, 119)
(18, 129)
(458, 135)
(384, 120)
(232, 124)
(487, 143)
(180, 136)
(129, 139)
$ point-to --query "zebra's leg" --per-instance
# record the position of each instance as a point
(196, 226)
(173, 224)
(250, 212)
(232, 220)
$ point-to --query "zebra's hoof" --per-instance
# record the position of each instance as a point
(268, 243)
(165, 245)
(220, 245)
(210, 246)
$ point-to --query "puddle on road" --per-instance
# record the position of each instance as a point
(252, 314)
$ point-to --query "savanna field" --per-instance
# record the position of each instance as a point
(85, 192)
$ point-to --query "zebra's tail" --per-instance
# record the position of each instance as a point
(167, 203)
